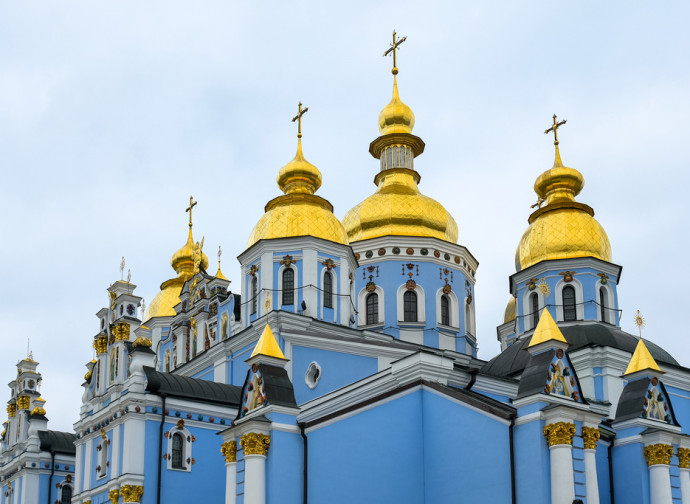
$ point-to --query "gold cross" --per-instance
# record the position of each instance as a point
(192, 204)
(394, 49)
(298, 118)
(554, 128)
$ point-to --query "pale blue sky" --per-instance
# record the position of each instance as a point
(113, 113)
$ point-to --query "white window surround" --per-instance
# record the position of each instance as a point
(579, 307)
(362, 306)
(453, 309)
(279, 294)
(400, 304)
(102, 458)
(334, 293)
(527, 307)
(610, 302)
(313, 375)
(469, 319)
(186, 449)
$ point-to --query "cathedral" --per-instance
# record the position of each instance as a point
(344, 366)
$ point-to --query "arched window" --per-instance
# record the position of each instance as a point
(288, 286)
(372, 308)
(569, 311)
(602, 304)
(327, 290)
(534, 298)
(410, 306)
(445, 310)
(102, 468)
(255, 293)
(66, 495)
(178, 451)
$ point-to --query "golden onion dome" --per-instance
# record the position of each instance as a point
(509, 314)
(563, 228)
(298, 212)
(182, 261)
(398, 207)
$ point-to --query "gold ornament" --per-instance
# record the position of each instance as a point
(101, 345)
(590, 436)
(658, 454)
(86, 502)
(114, 496)
(255, 444)
(684, 458)
(38, 411)
(639, 321)
(560, 433)
(121, 331)
(142, 342)
(11, 410)
(229, 451)
(23, 402)
(544, 287)
(131, 493)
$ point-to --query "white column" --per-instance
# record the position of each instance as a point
(255, 479)
(309, 277)
(255, 450)
(88, 452)
(685, 485)
(590, 436)
(659, 458)
(134, 443)
(560, 438)
(230, 482)
(77, 469)
(115, 450)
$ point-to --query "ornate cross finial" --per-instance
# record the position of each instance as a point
(298, 118)
(639, 322)
(394, 49)
(122, 268)
(554, 127)
(189, 209)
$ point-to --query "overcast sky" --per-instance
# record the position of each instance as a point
(113, 113)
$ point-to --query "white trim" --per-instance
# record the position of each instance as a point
(453, 309)
(361, 302)
(470, 327)
(335, 291)
(295, 282)
(610, 303)
(527, 305)
(579, 306)
(421, 303)
(186, 449)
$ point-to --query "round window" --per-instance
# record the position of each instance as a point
(313, 375)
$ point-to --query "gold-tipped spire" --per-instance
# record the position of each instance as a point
(267, 345)
(183, 261)
(396, 117)
(299, 175)
(554, 128)
(641, 360)
(546, 330)
(219, 273)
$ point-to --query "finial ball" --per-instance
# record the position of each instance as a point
(395, 71)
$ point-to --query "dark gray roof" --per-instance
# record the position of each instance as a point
(193, 389)
(631, 403)
(277, 385)
(513, 360)
(536, 374)
(58, 442)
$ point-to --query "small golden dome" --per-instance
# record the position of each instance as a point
(509, 315)
(396, 117)
(563, 228)
(398, 208)
(299, 212)
(182, 261)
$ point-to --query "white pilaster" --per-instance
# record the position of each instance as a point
(309, 277)
(133, 447)
(230, 482)
(685, 485)
(254, 479)
(78, 488)
(30, 487)
(562, 480)
(660, 484)
(115, 450)
(591, 477)
(220, 369)
(88, 463)
(267, 283)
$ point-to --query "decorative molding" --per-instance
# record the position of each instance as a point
(131, 493)
(659, 453)
(229, 451)
(684, 458)
(590, 436)
(559, 433)
(255, 444)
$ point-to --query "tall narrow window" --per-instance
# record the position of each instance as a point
(327, 290)
(602, 304)
(569, 311)
(255, 293)
(372, 308)
(288, 286)
(445, 310)
(102, 468)
(178, 451)
(410, 306)
(534, 298)
(66, 494)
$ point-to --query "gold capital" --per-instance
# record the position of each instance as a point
(229, 451)
(114, 496)
(100, 345)
(559, 433)
(86, 502)
(658, 454)
(23, 402)
(590, 436)
(255, 444)
(394, 49)
(11, 409)
(131, 493)
(684, 458)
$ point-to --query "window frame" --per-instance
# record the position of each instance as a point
(288, 287)
(328, 289)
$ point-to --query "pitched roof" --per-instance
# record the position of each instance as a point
(641, 360)
(267, 345)
(194, 389)
(58, 442)
(546, 330)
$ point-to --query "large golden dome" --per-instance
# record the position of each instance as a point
(397, 207)
(299, 212)
(563, 228)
